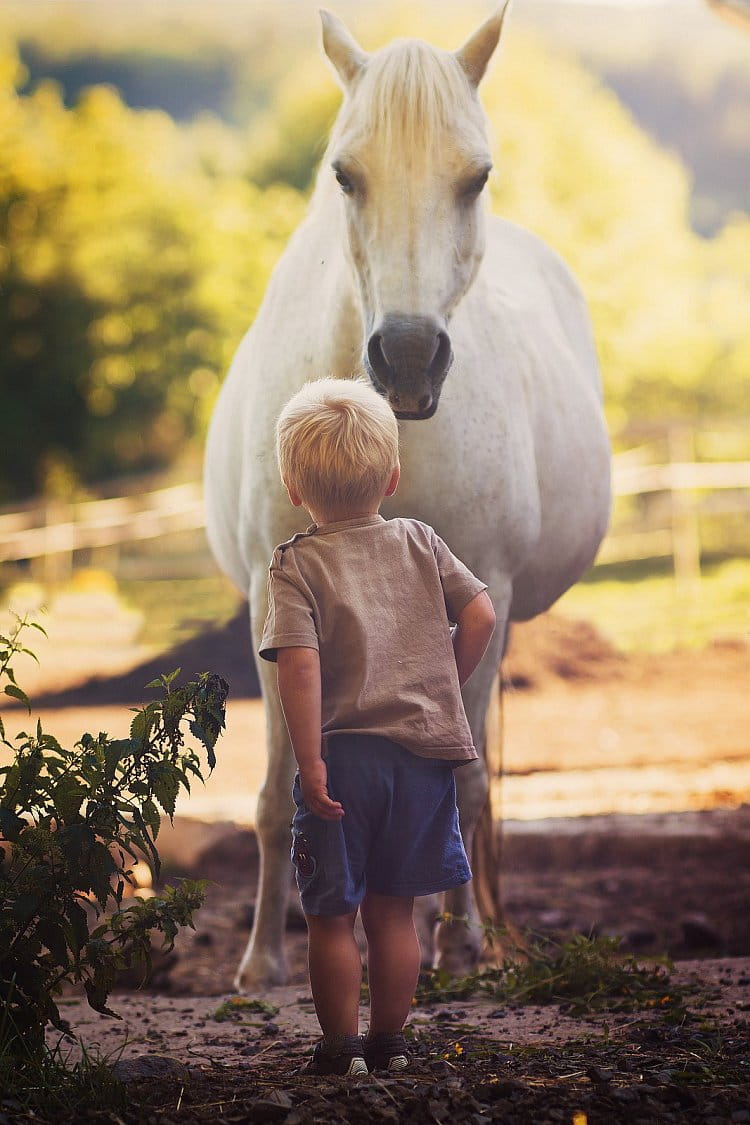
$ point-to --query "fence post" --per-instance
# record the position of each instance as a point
(686, 544)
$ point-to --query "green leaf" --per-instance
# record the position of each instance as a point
(101, 867)
(96, 994)
(166, 785)
(151, 816)
(142, 725)
(51, 934)
(16, 692)
(11, 825)
(206, 740)
(145, 839)
(79, 924)
(114, 752)
(67, 797)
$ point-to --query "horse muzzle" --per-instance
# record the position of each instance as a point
(407, 359)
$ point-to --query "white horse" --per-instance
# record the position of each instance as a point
(477, 335)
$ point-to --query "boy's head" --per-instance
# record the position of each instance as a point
(337, 446)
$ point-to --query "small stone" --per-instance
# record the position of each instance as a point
(599, 1076)
(145, 1067)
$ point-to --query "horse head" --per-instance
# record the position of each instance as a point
(410, 154)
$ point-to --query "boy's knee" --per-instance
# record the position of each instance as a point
(330, 923)
(380, 912)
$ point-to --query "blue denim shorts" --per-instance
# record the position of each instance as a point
(399, 834)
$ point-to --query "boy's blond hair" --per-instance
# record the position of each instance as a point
(337, 444)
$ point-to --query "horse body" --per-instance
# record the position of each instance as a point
(512, 469)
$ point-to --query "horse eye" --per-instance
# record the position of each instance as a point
(345, 183)
(475, 186)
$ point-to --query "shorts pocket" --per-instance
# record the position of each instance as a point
(303, 858)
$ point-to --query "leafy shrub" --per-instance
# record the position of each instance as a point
(72, 822)
(581, 973)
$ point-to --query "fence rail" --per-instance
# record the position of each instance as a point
(45, 531)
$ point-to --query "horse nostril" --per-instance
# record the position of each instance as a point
(376, 355)
(425, 403)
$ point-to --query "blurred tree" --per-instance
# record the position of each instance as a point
(574, 167)
(129, 268)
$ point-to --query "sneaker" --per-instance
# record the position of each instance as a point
(387, 1051)
(343, 1054)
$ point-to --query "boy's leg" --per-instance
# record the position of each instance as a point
(335, 972)
(393, 959)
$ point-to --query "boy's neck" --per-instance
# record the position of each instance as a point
(322, 518)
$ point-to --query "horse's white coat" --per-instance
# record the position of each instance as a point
(513, 467)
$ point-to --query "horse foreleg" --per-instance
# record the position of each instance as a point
(264, 961)
(458, 938)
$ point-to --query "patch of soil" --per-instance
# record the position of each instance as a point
(225, 649)
(473, 1061)
(553, 647)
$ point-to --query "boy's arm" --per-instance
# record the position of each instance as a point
(298, 672)
(474, 628)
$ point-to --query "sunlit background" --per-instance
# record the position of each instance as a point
(154, 159)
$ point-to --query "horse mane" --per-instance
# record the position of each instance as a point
(407, 92)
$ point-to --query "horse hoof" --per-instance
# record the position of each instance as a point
(260, 973)
(457, 948)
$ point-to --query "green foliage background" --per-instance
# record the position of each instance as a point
(135, 248)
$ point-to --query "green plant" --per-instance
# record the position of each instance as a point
(582, 973)
(72, 821)
(237, 1006)
(55, 1087)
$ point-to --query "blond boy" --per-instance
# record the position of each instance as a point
(359, 622)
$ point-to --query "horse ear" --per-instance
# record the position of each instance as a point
(477, 50)
(342, 49)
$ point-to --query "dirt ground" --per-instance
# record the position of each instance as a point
(627, 802)
(474, 1060)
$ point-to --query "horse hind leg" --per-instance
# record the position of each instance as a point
(459, 937)
(264, 962)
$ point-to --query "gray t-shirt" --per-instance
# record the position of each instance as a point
(376, 598)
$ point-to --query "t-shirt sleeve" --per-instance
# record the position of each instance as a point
(291, 618)
(460, 586)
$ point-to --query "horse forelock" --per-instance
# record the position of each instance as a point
(408, 95)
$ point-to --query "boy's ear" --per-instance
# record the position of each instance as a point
(393, 482)
(294, 497)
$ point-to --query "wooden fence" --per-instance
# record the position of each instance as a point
(53, 534)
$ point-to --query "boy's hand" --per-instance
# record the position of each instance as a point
(299, 690)
(313, 782)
